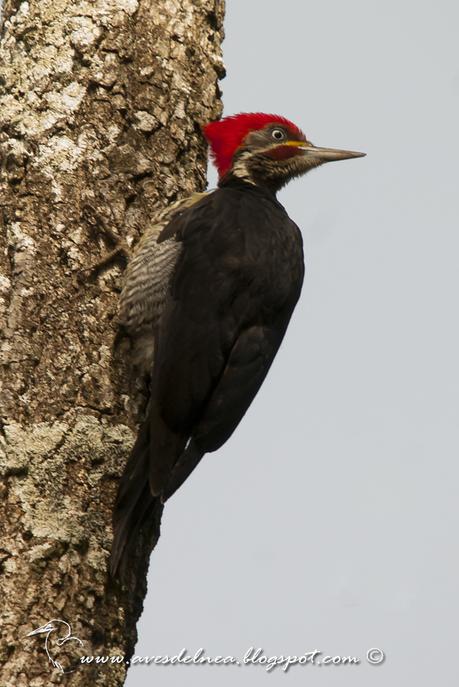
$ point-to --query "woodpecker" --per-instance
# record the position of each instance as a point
(207, 299)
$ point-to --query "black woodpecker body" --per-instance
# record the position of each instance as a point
(207, 300)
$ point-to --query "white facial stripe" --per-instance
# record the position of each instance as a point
(241, 171)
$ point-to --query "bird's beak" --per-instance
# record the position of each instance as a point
(324, 154)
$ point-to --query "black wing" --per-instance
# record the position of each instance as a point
(236, 283)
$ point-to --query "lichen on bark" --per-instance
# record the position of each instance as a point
(100, 107)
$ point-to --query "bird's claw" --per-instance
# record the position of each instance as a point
(120, 247)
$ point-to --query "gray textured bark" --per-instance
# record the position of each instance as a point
(99, 108)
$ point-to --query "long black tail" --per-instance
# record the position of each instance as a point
(136, 510)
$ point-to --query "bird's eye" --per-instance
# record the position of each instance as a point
(278, 134)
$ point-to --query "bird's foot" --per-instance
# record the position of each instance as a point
(120, 249)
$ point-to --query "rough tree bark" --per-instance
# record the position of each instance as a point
(100, 105)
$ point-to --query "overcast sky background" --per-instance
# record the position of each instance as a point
(330, 520)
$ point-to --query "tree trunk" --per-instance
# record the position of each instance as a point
(100, 105)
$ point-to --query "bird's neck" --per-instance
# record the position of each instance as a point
(248, 183)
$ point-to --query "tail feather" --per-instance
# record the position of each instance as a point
(182, 469)
(145, 486)
(136, 509)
